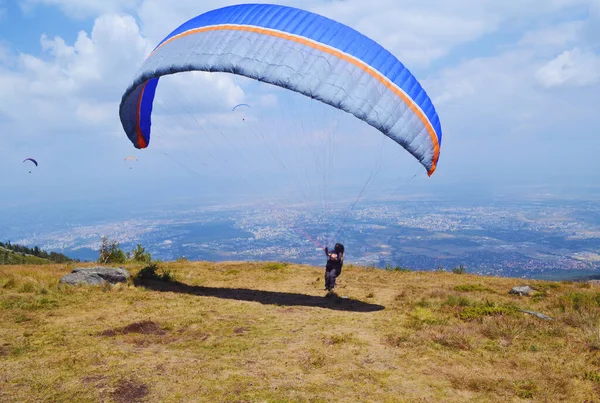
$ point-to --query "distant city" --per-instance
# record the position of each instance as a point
(532, 239)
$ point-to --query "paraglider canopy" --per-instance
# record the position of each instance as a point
(32, 160)
(130, 158)
(238, 105)
(302, 52)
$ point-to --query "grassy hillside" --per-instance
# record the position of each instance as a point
(8, 256)
(245, 332)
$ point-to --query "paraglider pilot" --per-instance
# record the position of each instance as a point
(333, 268)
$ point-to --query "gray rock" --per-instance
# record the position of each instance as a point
(82, 278)
(522, 290)
(96, 276)
(110, 274)
(538, 314)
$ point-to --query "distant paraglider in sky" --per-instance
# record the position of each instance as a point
(241, 106)
(32, 160)
(130, 158)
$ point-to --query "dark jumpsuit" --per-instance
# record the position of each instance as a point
(333, 268)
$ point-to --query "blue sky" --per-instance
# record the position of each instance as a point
(516, 85)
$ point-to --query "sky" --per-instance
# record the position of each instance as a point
(516, 85)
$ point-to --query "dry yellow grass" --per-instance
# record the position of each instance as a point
(257, 332)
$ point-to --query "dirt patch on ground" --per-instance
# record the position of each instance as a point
(240, 330)
(4, 351)
(128, 390)
(144, 327)
(93, 379)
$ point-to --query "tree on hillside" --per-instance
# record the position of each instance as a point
(139, 254)
(36, 251)
(110, 252)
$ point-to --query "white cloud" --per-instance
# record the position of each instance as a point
(102, 62)
(560, 35)
(84, 8)
(77, 84)
(571, 68)
(418, 33)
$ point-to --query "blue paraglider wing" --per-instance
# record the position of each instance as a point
(303, 52)
(238, 105)
(32, 160)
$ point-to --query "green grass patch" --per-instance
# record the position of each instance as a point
(526, 389)
(472, 288)
(592, 376)
(578, 301)
(341, 338)
(275, 266)
(28, 303)
(457, 301)
(488, 308)
(421, 317)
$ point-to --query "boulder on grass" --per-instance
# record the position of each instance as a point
(522, 290)
(96, 276)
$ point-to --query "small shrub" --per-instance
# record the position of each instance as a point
(544, 287)
(275, 266)
(525, 389)
(8, 283)
(139, 254)
(27, 287)
(456, 338)
(370, 295)
(573, 319)
(399, 269)
(168, 275)
(150, 272)
(339, 339)
(440, 269)
(423, 316)
(556, 331)
(182, 259)
(539, 296)
(455, 300)
(502, 328)
(591, 376)
(459, 270)
(396, 340)
(401, 296)
(480, 310)
(471, 288)
(424, 303)
(312, 359)
(590, 324)
(579, 301)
